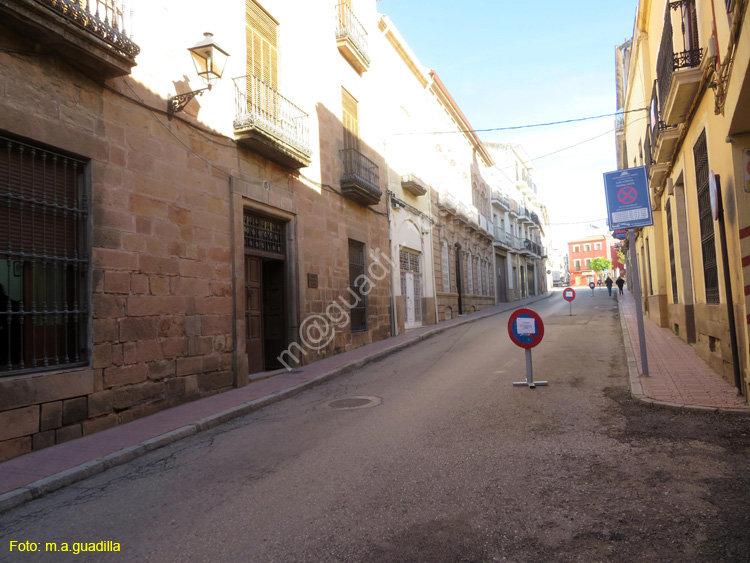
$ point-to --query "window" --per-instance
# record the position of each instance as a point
(470, 262)
(576, 248)
(44, 259)
(480, 275)
(672, 262)
(586, 247)
(445, 258)
(588, 263)
(708, 246)
(577, 265)
(357, 285)
(597, 246)
(261, 59)
(351, 120)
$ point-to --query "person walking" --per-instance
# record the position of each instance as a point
(608, 282)
(620, 284)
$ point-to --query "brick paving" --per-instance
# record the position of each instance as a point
(677, 375)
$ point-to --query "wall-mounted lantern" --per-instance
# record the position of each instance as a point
(209, 60)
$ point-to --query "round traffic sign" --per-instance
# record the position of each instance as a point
(525, 328)
(627, 195)
(592, 285)
(569, 294)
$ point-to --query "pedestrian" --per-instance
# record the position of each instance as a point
(608, 282)
(620, 284)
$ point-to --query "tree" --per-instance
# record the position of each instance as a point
(600, 264)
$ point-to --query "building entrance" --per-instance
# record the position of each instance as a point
(265, 290)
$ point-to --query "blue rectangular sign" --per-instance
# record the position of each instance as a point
(628, 199)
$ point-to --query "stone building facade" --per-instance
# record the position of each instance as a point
(152, 260)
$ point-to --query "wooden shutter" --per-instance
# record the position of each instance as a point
(262, 44)
(351, 121)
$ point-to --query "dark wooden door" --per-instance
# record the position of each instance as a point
(273, 312)
(254, 313)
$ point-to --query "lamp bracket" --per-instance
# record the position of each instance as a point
(177, 103)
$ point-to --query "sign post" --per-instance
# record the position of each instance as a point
(526, 330)
(569, 294)
(592, 285)
(629, 207)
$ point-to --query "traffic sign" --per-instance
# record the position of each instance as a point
(525, 328)
(592, 285)
(569, 294)
(628, 201)
(620, 234)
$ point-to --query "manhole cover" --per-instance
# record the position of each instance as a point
(354, 403)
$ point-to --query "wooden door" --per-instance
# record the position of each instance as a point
(254, 314)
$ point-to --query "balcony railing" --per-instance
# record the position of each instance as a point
(361, 179)
(270, 124)
(671, 103)
(89, 33)
(351, 38)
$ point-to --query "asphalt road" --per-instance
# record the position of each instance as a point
(443, 460)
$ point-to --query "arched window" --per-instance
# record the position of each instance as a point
(446, 268)
(470, 262)
(480, 275)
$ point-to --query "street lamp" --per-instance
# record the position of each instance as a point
(209, 60)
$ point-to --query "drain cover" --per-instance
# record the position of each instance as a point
(354, 403)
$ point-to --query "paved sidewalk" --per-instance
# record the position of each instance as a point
(678, 378)
(35, 474)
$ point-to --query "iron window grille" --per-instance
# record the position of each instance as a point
(357, 285)
(44, 259)
(708, 246)
(672, 261)
(264, 235)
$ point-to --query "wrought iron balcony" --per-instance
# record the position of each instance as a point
(269, 124)
(500, 199)
(678, 73)
(89, 34)
(448, 202)
(361, 180)
(533, 248)
(351, 38)
(663, 137)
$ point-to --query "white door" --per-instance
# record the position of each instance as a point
(409, 300)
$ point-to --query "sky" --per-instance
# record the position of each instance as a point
(509, 64)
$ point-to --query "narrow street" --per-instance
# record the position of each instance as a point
(446, 461)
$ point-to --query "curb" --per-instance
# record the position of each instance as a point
(636, 389)
(37, 489)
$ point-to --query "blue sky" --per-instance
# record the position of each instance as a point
(508, 64)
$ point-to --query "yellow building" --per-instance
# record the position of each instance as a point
(683, 93)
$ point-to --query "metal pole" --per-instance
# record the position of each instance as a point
(571, 307)
(728, 289)
(529, 370)
(638, 303)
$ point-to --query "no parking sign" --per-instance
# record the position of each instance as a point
(526, 330)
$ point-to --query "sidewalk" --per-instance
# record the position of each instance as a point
(35, 474)
(678, 378)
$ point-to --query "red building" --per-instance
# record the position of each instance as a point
(582, 251)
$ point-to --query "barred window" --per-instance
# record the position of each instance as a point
(357, 286)
(708, 246)
(672, 261)
(470, 266)
(44, 259)
(445, 258)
